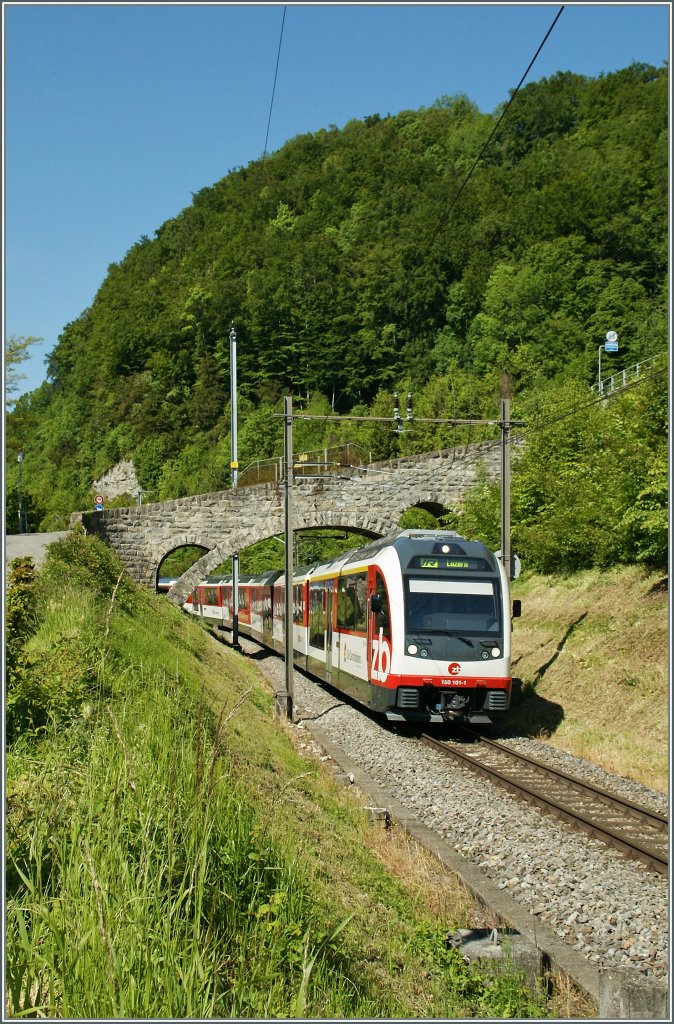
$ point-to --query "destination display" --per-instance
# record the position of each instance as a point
(445, 562)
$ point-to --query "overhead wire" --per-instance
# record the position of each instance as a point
(445, 216)
(574, 410)
(273, 91)
(541, 424)
(447, 213)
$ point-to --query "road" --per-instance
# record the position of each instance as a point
(34, 544)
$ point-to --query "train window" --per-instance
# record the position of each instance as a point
(352, 602)
(317, 618)
(298, 603)
(382, 617)
(441, 606)
(211, 595)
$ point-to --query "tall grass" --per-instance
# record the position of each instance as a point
(164, 861)
(164, 896)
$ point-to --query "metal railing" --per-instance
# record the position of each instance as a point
(315, 462)
(624, 377)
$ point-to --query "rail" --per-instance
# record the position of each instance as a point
(634, 830)
(314, 462)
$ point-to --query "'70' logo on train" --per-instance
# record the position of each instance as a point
(381, 659)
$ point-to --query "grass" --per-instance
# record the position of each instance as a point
(592, 651)
(171, 853)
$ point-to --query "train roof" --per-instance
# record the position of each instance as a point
(261, 578)
(407, 544)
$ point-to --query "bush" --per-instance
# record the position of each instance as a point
(53, 671)
(85, 561)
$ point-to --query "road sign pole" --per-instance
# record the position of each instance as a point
(610, 345)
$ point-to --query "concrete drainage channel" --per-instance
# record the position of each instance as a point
(620, 993)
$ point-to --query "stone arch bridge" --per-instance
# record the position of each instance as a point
(367, 499)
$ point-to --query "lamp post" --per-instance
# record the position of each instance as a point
(234, 467)
(19, 459)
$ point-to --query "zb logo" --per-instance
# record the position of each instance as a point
(381, 659)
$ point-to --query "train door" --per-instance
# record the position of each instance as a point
(318, 626)
(329, 614)
(378, 629)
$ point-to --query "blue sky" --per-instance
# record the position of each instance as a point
(115, 114)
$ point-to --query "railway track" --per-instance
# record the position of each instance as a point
(636, 831)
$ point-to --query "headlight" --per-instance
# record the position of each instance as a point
(423, 653)
(495, 652)
(412, 649)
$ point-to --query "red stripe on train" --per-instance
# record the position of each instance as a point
(393, 681)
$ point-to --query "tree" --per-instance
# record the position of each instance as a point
(16, 352)
(352, 265)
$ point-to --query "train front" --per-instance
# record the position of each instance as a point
(455, 658)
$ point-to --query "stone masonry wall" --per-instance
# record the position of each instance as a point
(369, 499)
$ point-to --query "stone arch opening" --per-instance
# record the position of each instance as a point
(178, 560)
(423, 515)
(216, 555)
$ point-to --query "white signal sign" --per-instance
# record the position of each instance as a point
(98, 499)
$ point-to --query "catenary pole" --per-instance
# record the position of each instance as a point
(505, 486)
(234, 467)
(285, 699)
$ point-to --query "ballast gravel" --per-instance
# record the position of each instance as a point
(610, 909)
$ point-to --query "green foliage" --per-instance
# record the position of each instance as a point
(16, 352)
(590, 488)
(61, 674)
(479, 517)
(500, 992)
(179, 561)
(210, 897)
(20, 615)
(418, 519)
(53, 672)
(82, 560)
(646, 522)
(346, 280)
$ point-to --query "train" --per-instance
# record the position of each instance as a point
(415, 626)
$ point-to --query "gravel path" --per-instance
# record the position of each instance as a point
(612, 910)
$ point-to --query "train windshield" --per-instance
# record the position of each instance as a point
(452, 607)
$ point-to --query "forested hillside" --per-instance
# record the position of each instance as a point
(359, 260)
